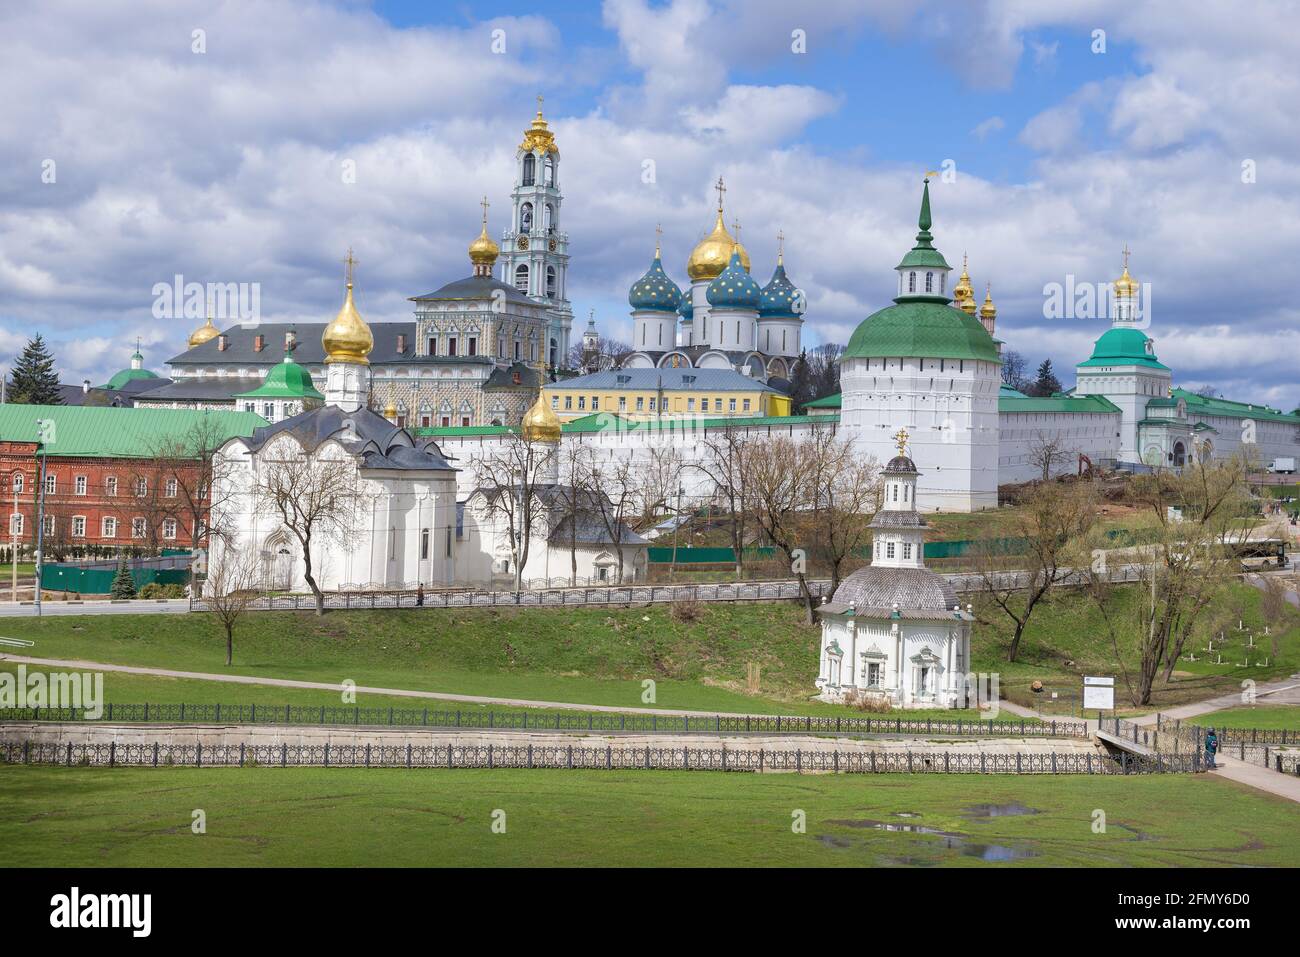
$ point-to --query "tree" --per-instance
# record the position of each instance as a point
(190, 480)
(316, 496)
(123, 586)
(511, 481)
(776, 483)
(801, 381)
(1018, 561)
(231, 587)
(1045, 452)
(1013, 370)
(576, 468)
(844, 493)
(823, 364)
(618, 490)
(605, 356)
(34, 381)
(1045, 383)
(724, 464)
(1197, 525)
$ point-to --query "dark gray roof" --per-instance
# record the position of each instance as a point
(888, 519)
(202, 388)
(902, 465)
(668, 378)
(241, 341)
(529, 378)
(376, 441)
(476, 287)
(917, 591)
(592, 531)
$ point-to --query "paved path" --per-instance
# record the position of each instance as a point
(1252, 775)
(9, 609)
(1282, 691)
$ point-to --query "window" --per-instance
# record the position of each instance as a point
(451, 345)
(49, 524)
(568, 402)
(110, 483)
(169, 528)
(731, 405)
(171, 488)
(78, 526)
(889, 549)
(15, 523)
(18, 481)
(690, 405)
(555, 402)
(108, 527)
(622, 403)
(268, 410)
(717, 405)
(424, 544)
(929, 282)
(79, 485)
(521, 277)
(473, 346)
(446, 421)
(746, 405)
(141, 487)
(433, 345)
(582, 403)
(530, 169)
(248, 407)
(652, 403)
(907, 549)
(911, 282)
(51, 484)
(873, 674)
(137, 528)
(640, 403)
(464, 421)
(595, 403)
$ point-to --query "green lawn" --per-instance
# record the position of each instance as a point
(351, 817)
(1266, 717)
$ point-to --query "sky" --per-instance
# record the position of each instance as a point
(255, 141)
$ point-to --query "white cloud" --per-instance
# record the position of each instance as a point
(985, 127)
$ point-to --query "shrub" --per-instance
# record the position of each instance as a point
(685, 610)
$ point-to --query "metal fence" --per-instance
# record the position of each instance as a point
(608, 721)
(156, 754)
(1267, 748)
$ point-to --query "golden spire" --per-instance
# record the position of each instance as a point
(713, 252)
(988, 310)
(483, 251)
(348, 338)
(206, 332)
(1126, 285)
(963, 294)
(541, 424)
(900, 437)
(538, 138)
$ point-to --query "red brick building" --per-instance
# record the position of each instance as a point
(116, 480)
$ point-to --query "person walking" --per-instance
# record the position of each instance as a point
(419, 594)
(1211, 747)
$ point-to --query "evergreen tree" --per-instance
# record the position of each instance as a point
(123, 584)
(1046, 383)
(801, 385)
(34, 381)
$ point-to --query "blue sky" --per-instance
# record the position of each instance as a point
(223, 166)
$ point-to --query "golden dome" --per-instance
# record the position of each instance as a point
(348, 338)
(711, 256)
(963, 294)
(1126, 285)
(538, 138)
(541, 424)
(483, 251)
(390, 410)
(204, 333)
(988, 310)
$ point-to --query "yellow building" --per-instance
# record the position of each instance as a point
(665, 393)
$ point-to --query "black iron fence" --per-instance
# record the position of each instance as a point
(527, 720)
(1268, 748)
(157, 754)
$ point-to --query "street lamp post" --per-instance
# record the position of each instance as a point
(40, 525)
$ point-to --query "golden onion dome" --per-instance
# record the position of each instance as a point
(1126, 285)
(348, 338)
(538, 138)
(541, 424)
(963, 293)
(711, 256)
(204, 333)
(988, 310)
(390, 411)
(483, 251)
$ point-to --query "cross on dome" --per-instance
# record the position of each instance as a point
(901, 437)
(350, 262)
(721, 188)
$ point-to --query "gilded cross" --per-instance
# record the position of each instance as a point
(735, 225)
(485, 204)
(1125, 255)
(350, 262)
(901, 438)
(721, 188)
(659, 233)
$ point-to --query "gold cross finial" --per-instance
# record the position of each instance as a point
(485, 204)
(901, 438)
(735, 225)
(350, 262)
(659, 232)
(721, 187)
(539, 104)
(780, 246)
(1125, 255)
(929, 173)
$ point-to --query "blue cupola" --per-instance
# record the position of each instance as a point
(687, 309)
(779, 296)
(655, 290)
(734, 288)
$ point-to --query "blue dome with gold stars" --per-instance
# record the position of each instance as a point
(734, 288)
(687, 309)
(780, 297)
(655, 290)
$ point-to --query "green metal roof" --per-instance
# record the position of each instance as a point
(287, 380)
(826, 402)
(927, 328)
(98, 431)
(924, 254)
(1006, 392)
(1123, 347)
(127, 375)
(1205, 406)
(1057, 403)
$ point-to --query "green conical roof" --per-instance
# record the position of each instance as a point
(288, 380)
(923, 254)
(1123, 347)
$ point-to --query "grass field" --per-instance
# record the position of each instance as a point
(350, 817)
(1267, 717)
(602, 656)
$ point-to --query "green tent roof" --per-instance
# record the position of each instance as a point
(924, 327)
(98, 431)
(1202, 405)
(826, 402)
(288, 380)
(127, 375)
(1123, 347)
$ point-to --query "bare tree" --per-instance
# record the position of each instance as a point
(187, 473)
(316, 496)
(576, 468)
(618, 488)
(1019, 560)
(511, 482)
(777, 485)
(1046, 451)
(660, 472)
(232, 586)
(724, 464)
(843, 495)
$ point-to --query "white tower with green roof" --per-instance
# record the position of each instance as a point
(925, 366)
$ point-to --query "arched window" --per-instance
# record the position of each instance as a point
(526, 218)
(550, 281)
(521, 277)
(911, 282)
(18, 481)
(548, 171)
(929, 282)
(548, 219)
(530, 169)
(555, 353)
